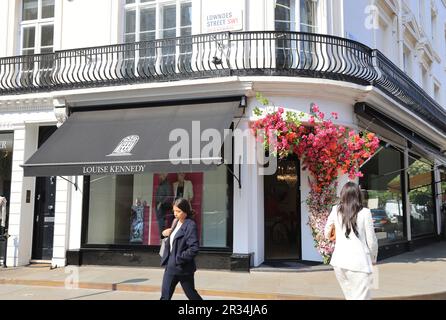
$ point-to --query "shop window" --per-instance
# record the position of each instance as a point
(421, 196)
(134, 209)
(383, 194)
(443, 200)
(6, 148)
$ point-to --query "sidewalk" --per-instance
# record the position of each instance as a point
(420, 274)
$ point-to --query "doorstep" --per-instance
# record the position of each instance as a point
(291, 266)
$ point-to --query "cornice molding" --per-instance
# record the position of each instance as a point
(21, 104)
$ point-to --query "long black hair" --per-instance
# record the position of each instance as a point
(185, 206)
(350, 204)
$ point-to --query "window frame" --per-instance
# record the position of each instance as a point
(295, 16)
(417, 156)
(158, 5)
(37, 24)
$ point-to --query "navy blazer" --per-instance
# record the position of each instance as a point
(181, 261)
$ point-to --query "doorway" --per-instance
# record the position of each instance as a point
(44, 209)
(282, 212)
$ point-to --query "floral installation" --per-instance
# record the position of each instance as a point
(326, 150)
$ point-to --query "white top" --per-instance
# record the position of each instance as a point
(174, 232)
(188, 189)
(353, 253)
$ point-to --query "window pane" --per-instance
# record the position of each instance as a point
(29, 10)
(308, 15)
(26, 52)
(147, 36)
(382, 187)
(130, 21)
(148, 17)
(129, 38)
(135, 209)
(29, 35)
(47, 9)
(186, 14)
(47, 35)
(169, 17)
(443, 201)
(129, 1)
(6, 152)
(421, 198)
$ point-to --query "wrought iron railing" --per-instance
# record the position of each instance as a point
(198, 56)
(398, 85)
(274, 53)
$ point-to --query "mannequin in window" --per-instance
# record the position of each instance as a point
(163, 202)
(137, 222)
(183, 188)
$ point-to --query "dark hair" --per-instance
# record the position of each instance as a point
(350, 204)
(184, 205)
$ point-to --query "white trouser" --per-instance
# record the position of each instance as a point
(355, 285)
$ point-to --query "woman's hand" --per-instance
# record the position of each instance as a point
(167, 232)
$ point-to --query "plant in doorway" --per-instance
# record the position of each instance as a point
(325, 149)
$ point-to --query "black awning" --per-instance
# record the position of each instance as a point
(132, 141)
(371, 114)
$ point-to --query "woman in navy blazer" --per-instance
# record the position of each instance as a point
(180, 252)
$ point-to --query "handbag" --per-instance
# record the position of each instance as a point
(332, 236)
(163, 242)
(163, 246)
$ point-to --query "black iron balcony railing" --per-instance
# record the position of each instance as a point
(398, 85)
(260, 53)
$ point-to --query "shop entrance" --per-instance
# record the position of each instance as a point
(44, 209)
(282, 212)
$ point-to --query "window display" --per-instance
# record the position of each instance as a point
(421, 196)
(383, 194)
(6, 148)
(135, 209)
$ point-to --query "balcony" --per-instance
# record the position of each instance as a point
(291, 54)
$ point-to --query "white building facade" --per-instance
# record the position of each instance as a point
(380, 64)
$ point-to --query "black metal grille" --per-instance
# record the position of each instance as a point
(294, 54)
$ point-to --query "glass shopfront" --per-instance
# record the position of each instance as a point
(134, 209)
(421, 196)
(6, 148)
(443, 200)
(383, 193)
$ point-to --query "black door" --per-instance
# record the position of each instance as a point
(282, 212)
(44, 209)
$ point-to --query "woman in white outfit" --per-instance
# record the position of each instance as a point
(356, 247)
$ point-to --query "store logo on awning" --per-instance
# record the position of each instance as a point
(125, 147)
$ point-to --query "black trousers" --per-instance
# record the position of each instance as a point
(170, 281)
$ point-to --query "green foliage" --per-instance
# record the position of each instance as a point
(264, 101)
